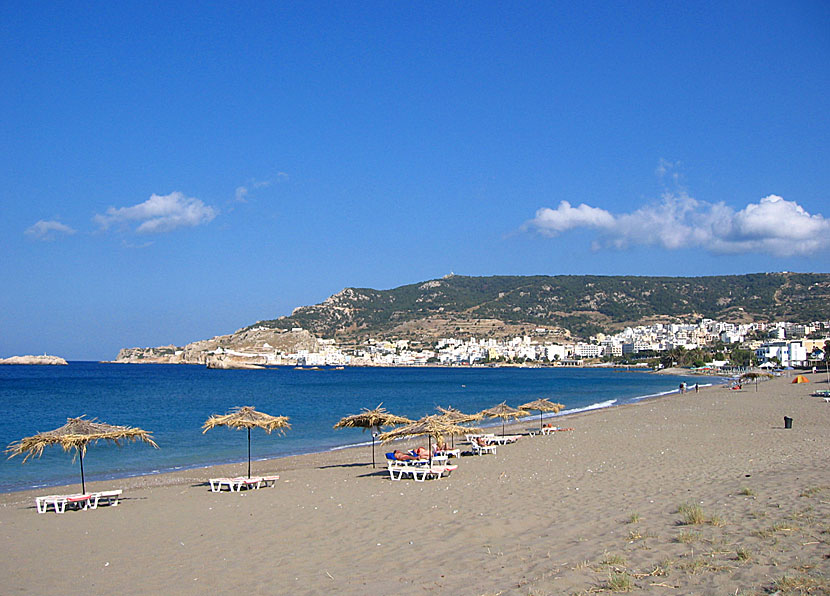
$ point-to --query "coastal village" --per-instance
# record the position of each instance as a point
(729, 345)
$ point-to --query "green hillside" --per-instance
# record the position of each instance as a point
(583, 304)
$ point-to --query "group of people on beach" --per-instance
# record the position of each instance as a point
(684, 387)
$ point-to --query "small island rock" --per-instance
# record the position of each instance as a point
(44, 359)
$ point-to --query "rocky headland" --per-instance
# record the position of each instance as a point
(248, 348)
(44, 359)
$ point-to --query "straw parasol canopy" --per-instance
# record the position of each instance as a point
(433, 426)
(543, 405)
(374, 419)
(247, 417)
(754, 376)
(456, 416)
(504, 412)
(76, 434)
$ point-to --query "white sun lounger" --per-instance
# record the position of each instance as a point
(271, 479)
(57, 501)
(110, 496)
(418, 471)
(235, 484)
(482, 449)
(60, 502)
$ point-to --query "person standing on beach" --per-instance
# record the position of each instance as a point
(682, 387)
(697, 388)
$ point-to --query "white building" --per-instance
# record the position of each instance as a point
(788, 353)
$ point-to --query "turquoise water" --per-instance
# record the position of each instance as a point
(173, 401)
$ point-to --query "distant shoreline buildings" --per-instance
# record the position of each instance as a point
(785, 344)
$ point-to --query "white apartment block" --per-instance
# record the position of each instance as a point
(788, 353)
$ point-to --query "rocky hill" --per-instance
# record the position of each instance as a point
(251, 346)
(506, 305)
(567, 306)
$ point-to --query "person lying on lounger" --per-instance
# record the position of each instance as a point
(401, 456)
(421, 453)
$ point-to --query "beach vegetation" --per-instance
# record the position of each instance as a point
(811, 491)
(717, 521)
(776, 528)
(687, 536)
(747, 492)
(633, 518)
(692, 514)
(620, 581)
(800, 584)
(743, 554)
(613, 560)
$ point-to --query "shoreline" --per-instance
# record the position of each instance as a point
(92, 480)
(565, 513)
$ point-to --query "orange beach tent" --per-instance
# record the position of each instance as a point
(801, 379)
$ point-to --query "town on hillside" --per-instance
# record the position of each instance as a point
(707, 344)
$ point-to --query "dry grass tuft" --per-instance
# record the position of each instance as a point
(800, 584)
(687, 537)
(620, 582)
(717, 521)
(692, 514)
(633, 518)
(612, 560)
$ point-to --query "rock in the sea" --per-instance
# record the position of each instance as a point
(230, 364)
(33, 360)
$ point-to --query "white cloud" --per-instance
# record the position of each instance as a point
(772, 226)
(554, 221)
(48, 229)
(159, 214)
(241, 193)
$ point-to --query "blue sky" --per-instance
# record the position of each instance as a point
(170, 173)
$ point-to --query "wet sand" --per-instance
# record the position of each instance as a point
(570, 513)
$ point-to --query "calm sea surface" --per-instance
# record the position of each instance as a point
(173, 401)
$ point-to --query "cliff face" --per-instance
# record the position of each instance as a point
(249, 346)
(51, 360)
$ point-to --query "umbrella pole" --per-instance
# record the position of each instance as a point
(373, 448)
(83, 485)
(502, 426)
(430, 449)
(249, 453)
(540, 419)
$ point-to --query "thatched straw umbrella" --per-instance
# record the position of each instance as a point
(374, 419)
(754, 376)
(247, 417)
(456, 416)
(431, 426)
(76, 434)
(504, 412)
(543, 405)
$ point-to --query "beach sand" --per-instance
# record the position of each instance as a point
(570, 513)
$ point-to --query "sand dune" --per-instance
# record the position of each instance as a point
(570, 513)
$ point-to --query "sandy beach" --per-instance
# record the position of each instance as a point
(702, 493)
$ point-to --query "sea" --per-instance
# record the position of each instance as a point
(173, 401)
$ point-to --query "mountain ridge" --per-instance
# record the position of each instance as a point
(580, 304)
